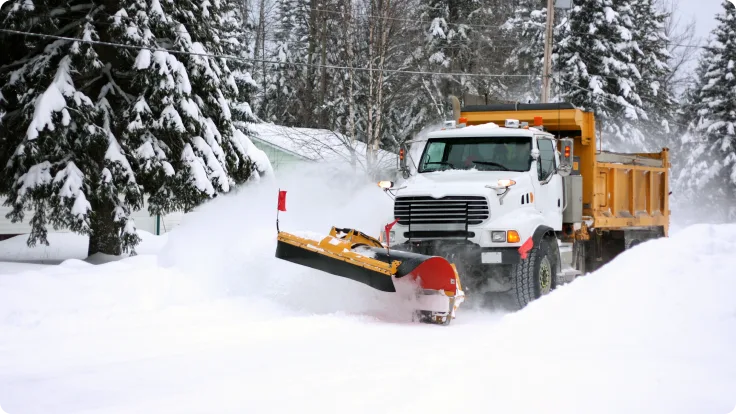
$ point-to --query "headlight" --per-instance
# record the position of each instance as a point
(502, 185)
(498, 236)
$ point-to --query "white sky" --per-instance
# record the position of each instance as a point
(703, 11)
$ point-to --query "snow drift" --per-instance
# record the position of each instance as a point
(216, 324)
(228, 246)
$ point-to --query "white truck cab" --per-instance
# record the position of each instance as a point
(487, 197)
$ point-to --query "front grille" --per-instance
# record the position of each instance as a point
(447, 213)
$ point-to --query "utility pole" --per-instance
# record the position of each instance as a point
(547, 77)
(548, 39)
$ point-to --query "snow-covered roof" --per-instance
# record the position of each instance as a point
(319, 145)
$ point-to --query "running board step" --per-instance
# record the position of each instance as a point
(567, 275)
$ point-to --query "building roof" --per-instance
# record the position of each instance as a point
(319, 145)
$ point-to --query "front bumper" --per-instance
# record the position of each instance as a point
(500, 255)
(463, 252)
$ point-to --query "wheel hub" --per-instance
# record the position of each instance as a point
(545, 277)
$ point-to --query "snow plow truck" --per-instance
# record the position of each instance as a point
(516, 199)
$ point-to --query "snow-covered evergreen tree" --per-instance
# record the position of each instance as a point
(103, 127)
(180, 124)
(709, 174)
(595, 61)
(610, 57)
(447, 43)
(527, 26)
(283, 100)
(657, 100)
(68, 168)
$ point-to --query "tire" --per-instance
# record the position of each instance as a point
(534, 276)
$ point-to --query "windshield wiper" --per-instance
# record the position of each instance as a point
(505, 168)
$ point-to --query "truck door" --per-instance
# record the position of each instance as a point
(549, 185)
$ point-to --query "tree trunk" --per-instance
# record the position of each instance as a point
(104, 235)
(264, 67)
(369, 145)
(375, 131)
(260, 52)
(259, 30)
(351, 77)
(323, 87)
(308, 107)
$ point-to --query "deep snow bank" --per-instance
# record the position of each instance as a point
(63, 246)
(216, 324)
(652, 332)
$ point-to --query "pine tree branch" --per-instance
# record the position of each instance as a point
(57, 35)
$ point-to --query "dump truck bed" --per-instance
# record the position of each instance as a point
(620, 190)
(630, 190)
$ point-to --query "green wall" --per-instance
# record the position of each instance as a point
(278, 157)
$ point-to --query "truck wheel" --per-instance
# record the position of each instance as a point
(534, 276)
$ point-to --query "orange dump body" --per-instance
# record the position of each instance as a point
(619, 190)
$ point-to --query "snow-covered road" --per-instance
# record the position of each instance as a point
(215, 324)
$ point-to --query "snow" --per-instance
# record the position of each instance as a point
(197, 170)
(610, 14)
(309, 235)
(170, 66)
(115, 154)
(72, 186)
(246, 147)
(52, 100)
(201, 60)
(143, 61)
(38, 175)
(190, 108)
(14, 253)
(157, 10)
(215, 168)
(214, 323)
(171, 115)
(119, 16)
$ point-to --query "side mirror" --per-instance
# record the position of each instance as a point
(566, 159)
(535, 154)
(402, 161)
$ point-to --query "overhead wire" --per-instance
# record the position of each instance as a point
(268, 61)
(336, 12)
(560, 81)
(499, 37)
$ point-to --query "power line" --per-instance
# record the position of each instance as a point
(373, 16)
(131, 19)
(668, 44)
(609, 99)
(342, 13)
(255, 60)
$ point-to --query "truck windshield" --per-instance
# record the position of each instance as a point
(485, 154)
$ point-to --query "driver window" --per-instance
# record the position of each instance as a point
(435, 152)
(546, 158)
